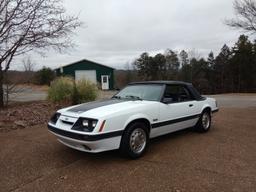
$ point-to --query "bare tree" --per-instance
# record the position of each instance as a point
(194, 53)
(11, 89)
(28, 66)
(27, 25)
(245, 20)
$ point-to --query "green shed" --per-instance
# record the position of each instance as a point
(89, 70)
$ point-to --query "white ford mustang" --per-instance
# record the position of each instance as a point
(127, 121)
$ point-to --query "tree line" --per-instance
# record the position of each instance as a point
(232, 70)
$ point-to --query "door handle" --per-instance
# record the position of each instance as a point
(190, 105)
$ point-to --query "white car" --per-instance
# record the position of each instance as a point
(127, 121)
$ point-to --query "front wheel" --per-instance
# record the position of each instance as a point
(204, 122)
(134, 140)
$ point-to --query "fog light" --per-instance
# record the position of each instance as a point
(94, 123)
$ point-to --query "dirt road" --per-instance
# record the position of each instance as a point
(222, 160)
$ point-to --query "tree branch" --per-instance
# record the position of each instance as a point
(245, 20)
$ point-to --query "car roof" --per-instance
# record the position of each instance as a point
(161, 82)
(191, 88)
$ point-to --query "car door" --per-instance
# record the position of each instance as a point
(178, 110)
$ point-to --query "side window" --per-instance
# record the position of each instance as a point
(176, 93)
(184, 94)
(172, 93)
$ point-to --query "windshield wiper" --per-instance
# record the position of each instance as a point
(133, 97)
(116, 97)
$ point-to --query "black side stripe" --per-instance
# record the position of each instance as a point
(169, 122)
(82, 137)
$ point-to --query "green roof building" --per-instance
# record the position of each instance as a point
(96, 73)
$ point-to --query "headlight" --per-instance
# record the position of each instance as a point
(55, 118)
(85, 124)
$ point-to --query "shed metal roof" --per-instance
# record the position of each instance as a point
(86, 60)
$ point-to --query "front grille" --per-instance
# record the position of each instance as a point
(67, 122)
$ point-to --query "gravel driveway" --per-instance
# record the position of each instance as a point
(236, 100)
(223, 159)
(28, 94)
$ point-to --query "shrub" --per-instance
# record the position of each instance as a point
(65, 90)
(61, 90)
(86, 91)
(44, 76)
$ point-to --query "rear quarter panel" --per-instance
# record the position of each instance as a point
(210, 102)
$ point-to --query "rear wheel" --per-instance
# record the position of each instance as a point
(204, 122)
(135, 140)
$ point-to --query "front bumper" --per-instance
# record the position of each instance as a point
(88, 142)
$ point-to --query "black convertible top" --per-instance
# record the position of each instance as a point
(161, 82)
(194, 93)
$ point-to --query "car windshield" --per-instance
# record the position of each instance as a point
(141, 92)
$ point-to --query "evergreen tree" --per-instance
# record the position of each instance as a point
(184, 58)
(210, 73)
(144, 66)
(199, 74)
(243, 64)
(159, 63)
(172, 64)
(221, 69)
(211, 60)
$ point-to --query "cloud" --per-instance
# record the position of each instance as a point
(116, 32)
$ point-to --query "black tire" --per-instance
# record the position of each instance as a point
(128, 138)
(202, 126)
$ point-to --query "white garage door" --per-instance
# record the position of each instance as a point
(86, 75)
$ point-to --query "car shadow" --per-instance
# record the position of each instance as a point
(114, 155)
(173, 135)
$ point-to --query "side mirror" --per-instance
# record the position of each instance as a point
(167, 100)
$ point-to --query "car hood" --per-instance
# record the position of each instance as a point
(104, 108)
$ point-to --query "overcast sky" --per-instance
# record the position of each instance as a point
(117, 31)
